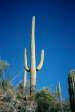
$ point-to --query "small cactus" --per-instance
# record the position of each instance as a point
(59, 95)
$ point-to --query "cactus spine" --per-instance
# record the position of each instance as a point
(71, 84)
(33, 67)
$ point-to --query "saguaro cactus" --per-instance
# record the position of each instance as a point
(33, 67)
(71, 83)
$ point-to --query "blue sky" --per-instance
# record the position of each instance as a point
(55, 33)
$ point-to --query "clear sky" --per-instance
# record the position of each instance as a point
(55, 33)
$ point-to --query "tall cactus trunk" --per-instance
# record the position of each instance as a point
(24, 81)
(33, 60)
(33, 67)
(71, 84)
(25, 75)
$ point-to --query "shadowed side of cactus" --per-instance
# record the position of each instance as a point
(71, 84)
(33, 67)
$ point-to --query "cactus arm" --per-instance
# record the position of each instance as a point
(25, 62)
(41, 61)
